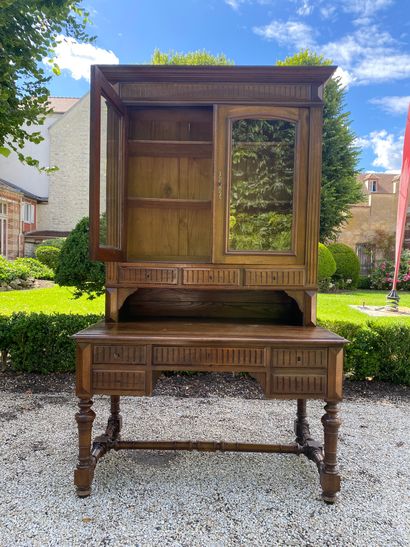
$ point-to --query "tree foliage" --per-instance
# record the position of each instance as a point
(340, 186)
(29, 32)
(199, 57)
(75, 269)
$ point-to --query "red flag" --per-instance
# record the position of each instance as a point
(403, 200)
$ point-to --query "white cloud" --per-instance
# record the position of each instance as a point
(234, 4)
(328, 12)
(365, 9)
(393, 104)
(345, 78)
(387, 148)
(291, 33)
(77, 57)
(305, 9)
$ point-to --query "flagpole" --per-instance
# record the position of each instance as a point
(393, 296)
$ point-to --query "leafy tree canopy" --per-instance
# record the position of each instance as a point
(340, 186)
(29, 30)
(199, 57)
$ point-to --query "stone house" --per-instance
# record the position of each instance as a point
(371, 229)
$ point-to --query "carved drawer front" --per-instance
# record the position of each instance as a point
(209, 276)
(156, 276)
(135, 355)
(293, 384)
(273, 278)
(186, 356)
(313, 358)
(112, 378)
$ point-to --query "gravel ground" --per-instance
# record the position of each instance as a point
(202, 499)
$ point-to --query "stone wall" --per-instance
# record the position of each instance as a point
(68, 187)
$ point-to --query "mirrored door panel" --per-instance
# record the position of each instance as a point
(261, 185)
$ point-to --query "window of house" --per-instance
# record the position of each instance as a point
(373, 186)
(28, 213)
(3, 228)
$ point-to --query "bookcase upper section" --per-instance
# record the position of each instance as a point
(216, 166)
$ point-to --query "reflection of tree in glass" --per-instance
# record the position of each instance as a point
(262, 184)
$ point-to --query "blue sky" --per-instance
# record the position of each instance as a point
(368, 39)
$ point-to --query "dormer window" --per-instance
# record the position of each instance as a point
(373, 186)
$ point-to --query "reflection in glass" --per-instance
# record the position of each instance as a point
(110, 190)
(261, 196)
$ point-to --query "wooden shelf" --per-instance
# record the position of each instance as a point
(196, 149)
(159, 203)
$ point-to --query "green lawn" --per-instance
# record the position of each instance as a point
(336, 307)
(331, 307)
(55, 299)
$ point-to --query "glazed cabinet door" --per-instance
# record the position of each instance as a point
(261, 164)
(107, 171)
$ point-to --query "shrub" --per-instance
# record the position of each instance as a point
(364, 282)
(382, 276)
(41, 343)
(36, 269)
(347, 264)
(9, 271)
(326, 264)
(53, 242)
(48, 255)
(376, 350)
(75, 268)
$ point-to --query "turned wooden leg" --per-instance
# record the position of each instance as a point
(84, 473)
(329, 474)
(301, 424)
(115, 420)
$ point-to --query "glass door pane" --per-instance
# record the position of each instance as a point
(261, 186)
(111, 199)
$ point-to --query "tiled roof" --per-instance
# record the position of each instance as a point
(384, 181)
(60, 105)
(46, 233)
(20, 190)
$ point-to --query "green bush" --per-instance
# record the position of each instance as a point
(10, 271)
(75, 269)
(376, 350)
(327, 264)
(53, 242)
(36, 269)
(364, 282)
(347, 264)
(382, 275)
(41, 343)
(48, 255)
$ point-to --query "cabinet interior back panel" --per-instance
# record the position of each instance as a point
(169, 234)
(170, 178)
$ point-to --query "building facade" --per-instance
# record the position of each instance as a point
(371, 230)
(18, 216)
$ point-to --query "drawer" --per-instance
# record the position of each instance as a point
(274, 278)
(211, 276)
(191, 356)
(298, 384)
(313, 358)
(136, 355)
(147, 276)
(113, 378)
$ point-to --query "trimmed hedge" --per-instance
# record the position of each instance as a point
(347, 263)
(48, 255)
(41, 343)
(377, 350)
(326, 263)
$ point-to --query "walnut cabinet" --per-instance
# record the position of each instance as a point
(204, 206)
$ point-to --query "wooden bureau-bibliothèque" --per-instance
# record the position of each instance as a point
(204, 206)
